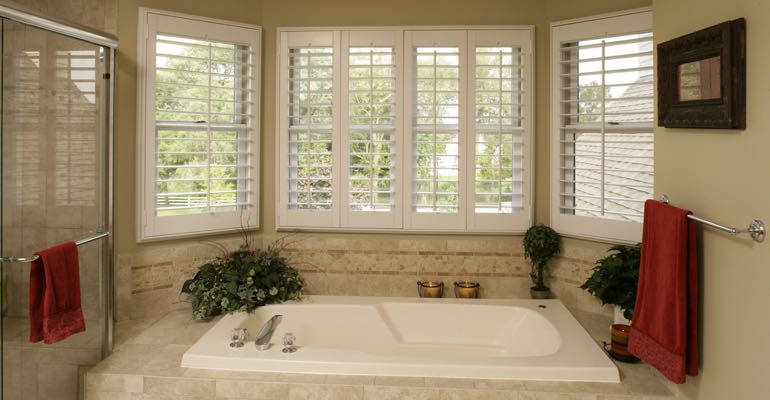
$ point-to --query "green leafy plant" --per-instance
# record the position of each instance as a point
(615, 278)
(541, 243)
(243, 280)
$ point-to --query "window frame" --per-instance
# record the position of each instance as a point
(149, 226)
(340, 218)
(620, 23)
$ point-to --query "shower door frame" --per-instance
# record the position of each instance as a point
(109, 44)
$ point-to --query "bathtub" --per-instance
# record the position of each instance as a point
(385, 336)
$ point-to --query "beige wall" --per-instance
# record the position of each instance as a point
(722, 175)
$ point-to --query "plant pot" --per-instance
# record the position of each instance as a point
(540, 293)
(618, 317)
(619, 344)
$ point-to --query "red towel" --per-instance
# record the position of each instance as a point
(664, 331)
(54, 295)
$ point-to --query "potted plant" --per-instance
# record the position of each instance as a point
(614, 281)
(541, 243)
(242, 280)
(615, 277)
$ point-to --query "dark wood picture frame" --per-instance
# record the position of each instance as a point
(722, 106)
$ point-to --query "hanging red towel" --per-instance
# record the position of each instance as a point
(54, 295)
(664, 331)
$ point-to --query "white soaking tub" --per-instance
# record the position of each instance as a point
(385, 336)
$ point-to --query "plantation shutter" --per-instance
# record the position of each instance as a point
(371, 129)
(199, 151)
(203, 90)
(309, 128)
(500, 126)
(605, 123)
(437, 103)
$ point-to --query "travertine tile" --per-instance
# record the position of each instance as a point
(94, 395)
(399, 393)
(554, 396)
(440, 383)
(179, 387)
(499, 384)
(57, 381)
(114, 383)
(251, 390)
(325, 392)
(399, 381)
(464, 394)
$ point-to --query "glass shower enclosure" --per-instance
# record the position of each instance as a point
(56, 186)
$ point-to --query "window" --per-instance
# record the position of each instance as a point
(199, 105)
(404, 129)
(602, 125)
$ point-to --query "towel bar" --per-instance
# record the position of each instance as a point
(33, 258)
(756, 227)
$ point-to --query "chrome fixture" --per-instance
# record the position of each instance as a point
(237, 337)
(33, 258)
(288, 342)
(756, 228)
(263, 337)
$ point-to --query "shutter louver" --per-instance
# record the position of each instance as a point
(606, 129)
(371, 129)
(203, 95)
(436, 130)
(499, 162)
(310, 83)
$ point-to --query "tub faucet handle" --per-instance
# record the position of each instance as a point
(288, 342)
(237, 337)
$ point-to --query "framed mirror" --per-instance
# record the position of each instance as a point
(702, 78)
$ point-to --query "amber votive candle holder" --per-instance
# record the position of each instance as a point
(430, 289)
(467, 290)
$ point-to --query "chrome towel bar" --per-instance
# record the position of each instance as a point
(756, 227)
(33, 258)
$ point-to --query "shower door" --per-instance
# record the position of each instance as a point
(55, 188)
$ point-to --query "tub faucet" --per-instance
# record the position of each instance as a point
(263, 336)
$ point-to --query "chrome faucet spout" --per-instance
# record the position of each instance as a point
(263, 336)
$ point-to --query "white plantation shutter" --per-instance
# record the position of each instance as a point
(371, 129)
(435, 113)
(309, 129)
(501, 130)
(387, 129)
(201, 122)
(604, 115)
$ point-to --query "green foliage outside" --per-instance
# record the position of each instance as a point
(190, 88)
(590, 104)
(242, 280)
(615, 278)
(541, 244)
(498, 111)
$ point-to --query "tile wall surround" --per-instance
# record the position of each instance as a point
(147, 357)
(148, 283)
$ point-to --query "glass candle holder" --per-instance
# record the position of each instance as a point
(467, 290)
(431, 289)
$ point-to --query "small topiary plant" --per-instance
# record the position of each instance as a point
(615, 278)
(541, 244)
(242, 280)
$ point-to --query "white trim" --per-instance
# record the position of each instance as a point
(599, 17)
(149, 227)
